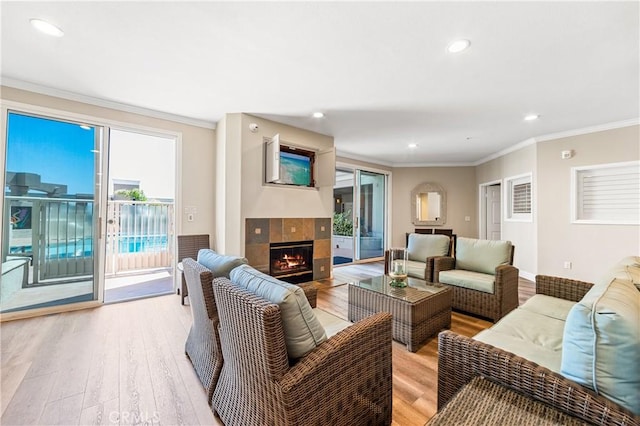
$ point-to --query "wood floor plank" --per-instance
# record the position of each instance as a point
(125, 364)
(174, 406)
(65, 411)
(103, 379)
(107, 413)
(29, 401)
(137, 403)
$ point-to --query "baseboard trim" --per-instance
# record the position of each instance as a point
(528, 276)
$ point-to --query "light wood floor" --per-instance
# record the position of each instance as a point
(125, 364)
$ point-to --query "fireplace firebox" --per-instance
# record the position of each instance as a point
(292, 261)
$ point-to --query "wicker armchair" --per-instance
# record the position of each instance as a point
(344, 381)
(494, 305)
(203, 343)
(188, 246)
(461, 358)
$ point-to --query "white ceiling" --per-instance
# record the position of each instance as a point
(379, 71)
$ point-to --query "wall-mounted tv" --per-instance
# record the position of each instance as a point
(287, 165)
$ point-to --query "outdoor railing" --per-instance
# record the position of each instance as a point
(139, 235)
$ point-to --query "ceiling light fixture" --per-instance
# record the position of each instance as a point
(318, 114)
(531, 117)
(458, 45)
(46, 27)
(413, 145)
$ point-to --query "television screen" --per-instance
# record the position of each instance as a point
(295, 169)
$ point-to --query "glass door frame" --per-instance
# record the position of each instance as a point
(99, 143)
(355, 169)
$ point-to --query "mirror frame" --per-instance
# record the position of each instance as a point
(424, 188)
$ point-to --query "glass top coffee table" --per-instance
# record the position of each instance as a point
(419, 310)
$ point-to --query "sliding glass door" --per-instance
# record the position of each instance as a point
(371, 214)
(360, 215)
(49, 235)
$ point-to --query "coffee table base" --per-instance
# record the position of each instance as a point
(412, 323)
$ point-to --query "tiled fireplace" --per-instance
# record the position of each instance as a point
(262, 234)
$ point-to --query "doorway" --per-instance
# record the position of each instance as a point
(491, 211)
(360, 218)
(50, 238)
(140, 216)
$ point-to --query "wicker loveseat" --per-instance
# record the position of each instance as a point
(590, 368)
(345, 380)
(482, 277)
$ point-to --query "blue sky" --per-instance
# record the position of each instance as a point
(59, 152)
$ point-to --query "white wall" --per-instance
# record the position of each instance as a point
(592, 249)
(460, 188)
(241, 154)
(521, 234)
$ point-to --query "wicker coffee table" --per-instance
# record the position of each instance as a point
(419, 310)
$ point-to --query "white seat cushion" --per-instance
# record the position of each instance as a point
(553, 307)
(332, 324)
(469, 279)
(416, 269)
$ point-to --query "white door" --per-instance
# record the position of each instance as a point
(492, 214)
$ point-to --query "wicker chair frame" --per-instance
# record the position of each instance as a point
(347, 380)
(203, 342)
(189, 246)
(461, 358)
(494, 305)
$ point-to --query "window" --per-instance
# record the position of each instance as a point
(607, 193)
(519, 199)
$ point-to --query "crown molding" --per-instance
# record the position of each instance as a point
(71, 96)
(358, 157)
(590, 129)
(505, 151)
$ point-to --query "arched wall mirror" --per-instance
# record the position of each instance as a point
(428, 205)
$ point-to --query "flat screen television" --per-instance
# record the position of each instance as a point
(295, 169)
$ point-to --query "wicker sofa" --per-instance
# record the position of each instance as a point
(481, 275)
(566, 367)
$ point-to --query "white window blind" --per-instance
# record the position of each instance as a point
(522, 198)
(519, 198)
(608, 194)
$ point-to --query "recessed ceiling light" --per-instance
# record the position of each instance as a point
(531, 117)
(46, 27)
(458, 45)
(318, 114)
(413, 145)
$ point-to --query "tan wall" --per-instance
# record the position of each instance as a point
(244, 162)
(521, 234)
(591, 248)
(197, 153)
(459, 184)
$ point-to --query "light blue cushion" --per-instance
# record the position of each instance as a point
(220, 265)
(302, 330)
(421, 246)
(601, 346)
(482, 255)
(469, 279)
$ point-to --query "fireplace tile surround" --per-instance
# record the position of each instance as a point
(260, 232)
